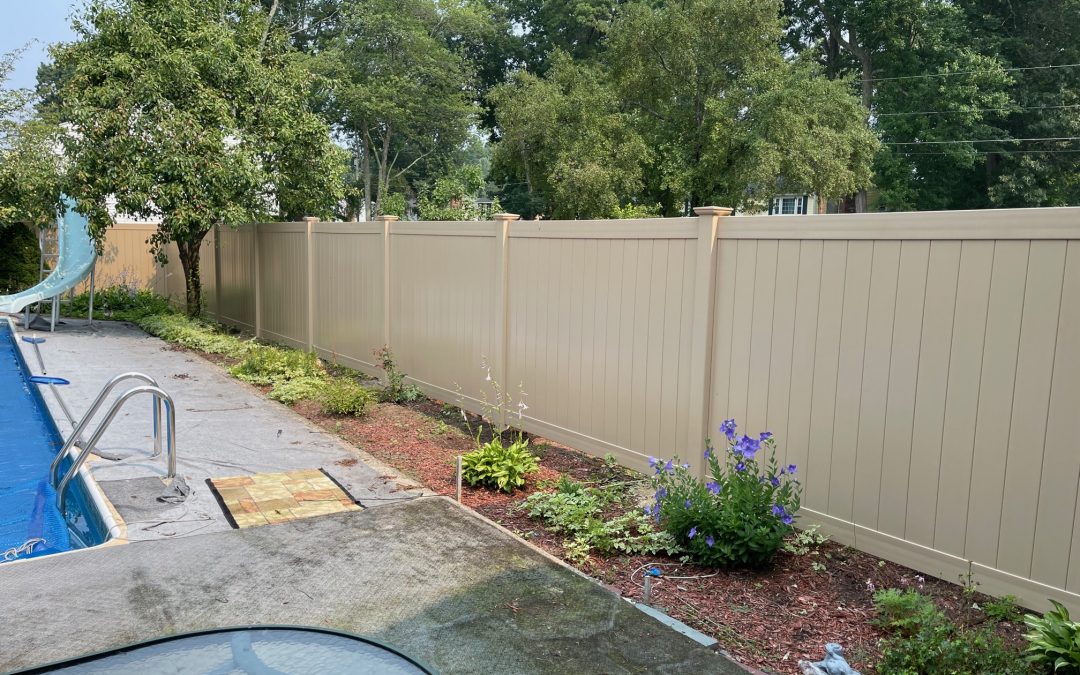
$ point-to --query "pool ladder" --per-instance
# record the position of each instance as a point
(151, 387)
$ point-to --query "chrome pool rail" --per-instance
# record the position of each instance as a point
(76, 435)
(170, 437)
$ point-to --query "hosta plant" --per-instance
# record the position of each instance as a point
(499, 466)
(1054, 640)
(741, 514)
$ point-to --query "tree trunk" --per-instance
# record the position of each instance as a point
(189, 261)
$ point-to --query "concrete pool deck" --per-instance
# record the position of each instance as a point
(418, 572)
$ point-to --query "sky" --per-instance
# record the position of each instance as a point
(39, 22)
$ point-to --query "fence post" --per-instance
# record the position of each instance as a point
(702, 345)
(258, 285)
(501, 338)
(217, 274)
(387, 223)
(311, 222)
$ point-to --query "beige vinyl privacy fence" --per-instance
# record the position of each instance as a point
(921, 369)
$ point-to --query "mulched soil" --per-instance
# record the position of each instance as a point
(767, 619)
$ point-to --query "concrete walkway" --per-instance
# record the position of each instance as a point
(224, 428)
(418, 572)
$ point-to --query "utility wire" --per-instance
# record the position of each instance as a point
(975, 110)
(968, 72)
(987, 140)
(997, 152)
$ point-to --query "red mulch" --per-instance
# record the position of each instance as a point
(767, 619)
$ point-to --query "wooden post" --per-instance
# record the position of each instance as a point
(387, 225)
(501, 356)
(704, 317)
(311, 223)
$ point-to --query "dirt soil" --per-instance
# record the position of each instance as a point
(767, 619)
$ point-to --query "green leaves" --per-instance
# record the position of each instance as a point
(180, 111)
(1054, 640)
(498, 466)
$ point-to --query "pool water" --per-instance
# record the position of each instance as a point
(30, 524)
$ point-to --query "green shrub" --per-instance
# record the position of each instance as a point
(395, 390)
(272, 365)
(739, 518)
(119, 302)
(20, 258)
(1054, 640)
(195, 334)
(578, 511)
(495, 465)
(923, 641)
(340, 396)
(298, 389)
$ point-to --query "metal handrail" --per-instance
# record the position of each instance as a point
(170, 436)
(76, 435)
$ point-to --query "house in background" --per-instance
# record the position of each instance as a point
(793, 205)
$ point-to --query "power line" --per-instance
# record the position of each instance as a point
(997, 152)
(987, 140)
(968, 72)
(975, 110)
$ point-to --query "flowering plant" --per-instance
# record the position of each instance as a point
(740, 517)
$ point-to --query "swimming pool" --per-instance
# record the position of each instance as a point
(30, 524)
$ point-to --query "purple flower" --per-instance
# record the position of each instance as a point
(775, 481)
(652, 461)
(787, 519)
(669, 467)
(685, 465)
(687, 504)
(777, 510)
(709, 541)
(708, 452)
(791, 469)
(728, 429)
(692, 533)
(747, 447)
(713, 487)
(740, 467)
(765, 435)
(661, 493)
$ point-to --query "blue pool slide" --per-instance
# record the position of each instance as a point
(76, 261)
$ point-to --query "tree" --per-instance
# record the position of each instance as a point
(398, 89)
(192, 112)
(690, 102)
(565, 138)
(909, 57)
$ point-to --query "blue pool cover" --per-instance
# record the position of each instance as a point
(30, 524)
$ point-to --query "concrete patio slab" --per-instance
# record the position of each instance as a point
(224, 428)
(426, 576)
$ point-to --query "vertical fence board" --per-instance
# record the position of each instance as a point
(1031, 400)
(875, 381)
(930, 391)
(995, 400)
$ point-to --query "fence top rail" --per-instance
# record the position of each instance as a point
(1044, 223)
(289, 228)
(645, 228)
(348, 228)
(479, 228)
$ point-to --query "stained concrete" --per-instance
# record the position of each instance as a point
(224, 428)
(425, 576)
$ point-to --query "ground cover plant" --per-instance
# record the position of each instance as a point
(121, 302)
(591, 513)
